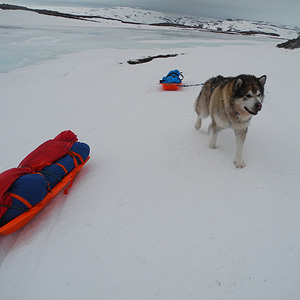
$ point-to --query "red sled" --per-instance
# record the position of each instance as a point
(60, 157)
(171, 86)
(24, 218)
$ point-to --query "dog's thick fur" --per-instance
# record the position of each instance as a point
(230, 102)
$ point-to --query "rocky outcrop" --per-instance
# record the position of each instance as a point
(290, 44)
(149, 58)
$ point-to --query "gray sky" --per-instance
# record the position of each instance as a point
(282, 11)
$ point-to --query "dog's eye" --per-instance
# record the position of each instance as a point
(258, 94)
(247, 96)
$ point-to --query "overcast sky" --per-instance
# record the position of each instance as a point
(282, 11)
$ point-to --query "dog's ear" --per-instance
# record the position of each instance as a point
(262, 80)
(238, 84)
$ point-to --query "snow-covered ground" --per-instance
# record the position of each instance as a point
(155, 213)
(38, 37)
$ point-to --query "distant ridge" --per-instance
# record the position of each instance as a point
(138, 16)
(39, 11)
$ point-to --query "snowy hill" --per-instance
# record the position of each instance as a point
(149, 17)
(125, 14)
(141, 16)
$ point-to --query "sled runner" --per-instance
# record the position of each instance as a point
(173, 81)
(25, 190)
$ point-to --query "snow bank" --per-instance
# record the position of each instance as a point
(155, 213)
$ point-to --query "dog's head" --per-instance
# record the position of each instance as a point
(249, 93)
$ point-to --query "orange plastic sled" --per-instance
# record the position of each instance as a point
(24, 218)
(171, 86)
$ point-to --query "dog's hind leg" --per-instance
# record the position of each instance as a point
(215, 131)
(201, 108)
(240, 136)
(209, 128)
(198, 123)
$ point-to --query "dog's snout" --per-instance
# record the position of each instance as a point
(257, 106)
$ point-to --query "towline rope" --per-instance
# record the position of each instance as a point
(188, 85)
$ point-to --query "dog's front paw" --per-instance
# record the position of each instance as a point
(239, 164)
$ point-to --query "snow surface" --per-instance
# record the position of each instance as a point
(155, 213)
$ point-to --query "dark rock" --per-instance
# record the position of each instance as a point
(254, 32)
(290, 44)
(149, 58)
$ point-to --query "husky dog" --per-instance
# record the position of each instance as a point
(230, 102)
